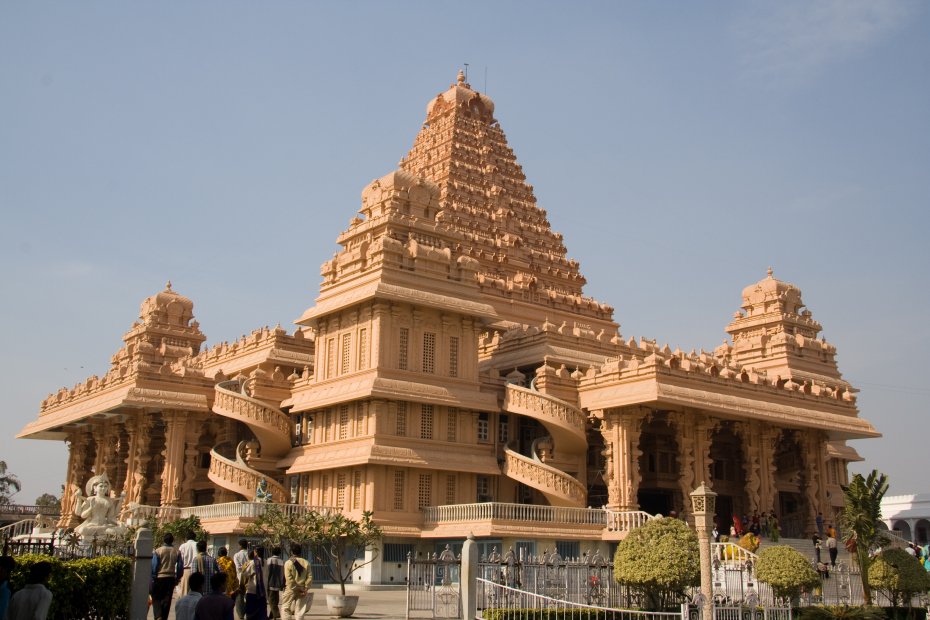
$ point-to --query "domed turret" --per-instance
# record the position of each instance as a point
(461, 94)
(168, 307)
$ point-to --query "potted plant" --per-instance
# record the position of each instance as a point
(339, 544)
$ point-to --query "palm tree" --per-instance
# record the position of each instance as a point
(8, 482)
(860, 520)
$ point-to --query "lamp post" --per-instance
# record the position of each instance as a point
(704, 505)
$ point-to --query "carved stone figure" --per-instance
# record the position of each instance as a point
(98, 510)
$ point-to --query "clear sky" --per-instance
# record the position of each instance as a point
(681, 148)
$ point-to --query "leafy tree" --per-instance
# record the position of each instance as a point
(9, 485)
(659, 561)
(899, 575)
(177, 528)
(786, 570)
(860, 520)
(276, 527)
(48, 504)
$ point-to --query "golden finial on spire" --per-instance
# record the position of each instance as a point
(770, 272)
(168, 285)
(460, 79)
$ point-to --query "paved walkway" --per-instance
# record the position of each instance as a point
(381, 604)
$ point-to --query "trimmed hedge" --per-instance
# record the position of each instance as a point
(94, 589)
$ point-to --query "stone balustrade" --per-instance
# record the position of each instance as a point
(250, 411)
(624, 521)
(239, 477)
(554, 483)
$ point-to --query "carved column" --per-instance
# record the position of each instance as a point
(626, 452)
(748, 433)
(380, 335)
(78, 444)
(813, 446)
(191, 440)
(704, 429)
(137, 460)
(172, 472)
(767, 450)
(610, 431)
(685, 433)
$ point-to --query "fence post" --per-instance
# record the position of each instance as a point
(142, 575)
(469, 578)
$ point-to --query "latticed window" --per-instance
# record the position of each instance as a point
(450, 489)
(357, 490)
(484, 489)
(324, 490)
(401, 419)
(398, 490)
(402, 347)
(298, 430)
(362, 349)
(453, 356)
(346, 352)
(330, 357)
(503, 429)
(425, 491)
(452, 424)
(426, 421)
(295, 488)
(340, 491)
(429, 352)
(343, 421)
(483, 431)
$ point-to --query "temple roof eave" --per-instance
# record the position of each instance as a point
(779, 409)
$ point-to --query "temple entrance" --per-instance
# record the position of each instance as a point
(728, 476)
(724, 516)
(659, 490)
(791, 507)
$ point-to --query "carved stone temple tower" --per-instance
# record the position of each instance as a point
(452, 377)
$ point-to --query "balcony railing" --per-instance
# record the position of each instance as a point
(495, 511)
(230, 510)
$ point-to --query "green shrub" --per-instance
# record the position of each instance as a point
(786, 570)
(87, 588)
(659, 561)
(177, 528)
(899, 575)
(842, 612)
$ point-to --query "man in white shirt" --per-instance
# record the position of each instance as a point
(184, 608)
(240, 559)
(34, 599)
(188, 551)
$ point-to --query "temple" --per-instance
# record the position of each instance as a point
(453, 378)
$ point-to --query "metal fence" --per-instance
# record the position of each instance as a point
(493, 595)
(434, 585)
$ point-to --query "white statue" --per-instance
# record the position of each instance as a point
(98, 510)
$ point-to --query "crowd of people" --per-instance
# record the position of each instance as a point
(244, 587)
(764, 525)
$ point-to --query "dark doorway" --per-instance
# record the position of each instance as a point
(655, 501)
(725, 513)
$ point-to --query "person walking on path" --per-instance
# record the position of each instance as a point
(216, 605)
(819, 522)
(831, 548)
(204, 563)
(274, 581)
(228, 567)
(817, 547)
(184, 608)
(240, 560)
(167, 570)
(187, 550)
(297, 580)
(256, 595)
(33, 601)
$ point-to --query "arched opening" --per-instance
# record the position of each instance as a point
(659, 491)
(791, 506)
(903, 528)
(728, 474)
(922, 532)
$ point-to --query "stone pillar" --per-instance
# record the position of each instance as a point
(142, 575)
(78, 443)
(627, 449)
(191, 439)
(380, 335)
(685, 437)
(768, 445)
(704, 430)
(172, 472)
(469, 578)
(704, 503)
(748, 433)
(610, 431)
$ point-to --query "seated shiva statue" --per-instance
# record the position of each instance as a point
(262, 493)
(98, 510)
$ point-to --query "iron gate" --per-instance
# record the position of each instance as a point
(433, 585)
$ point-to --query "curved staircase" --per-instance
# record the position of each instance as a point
(565, 424)
(272, 430)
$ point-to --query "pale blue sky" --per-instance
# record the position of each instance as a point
(681, 148)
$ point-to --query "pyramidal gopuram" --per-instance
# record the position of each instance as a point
(451, 377)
